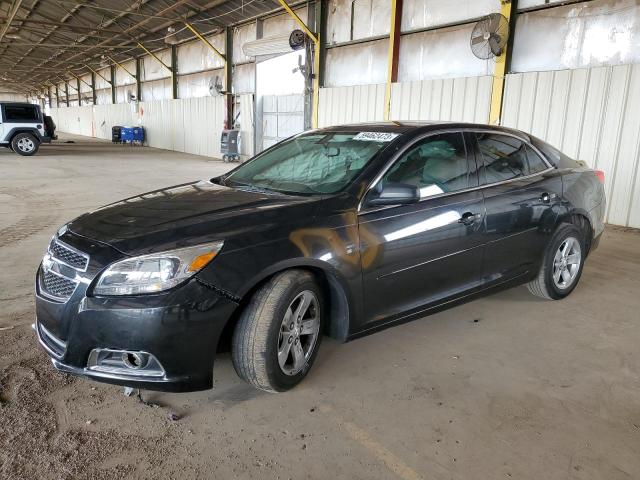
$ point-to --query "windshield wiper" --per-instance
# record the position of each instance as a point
(250, 187)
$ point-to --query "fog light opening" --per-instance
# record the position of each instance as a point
(134, 360)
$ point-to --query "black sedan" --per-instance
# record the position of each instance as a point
(340, 231)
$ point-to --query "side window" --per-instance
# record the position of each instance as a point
(435, 165)
(503, 157)
(20, 113)
(536, 164)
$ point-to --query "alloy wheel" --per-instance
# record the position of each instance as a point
(299, 332)
(26, 145)
(566, 263)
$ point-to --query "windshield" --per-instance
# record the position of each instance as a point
(314, 163)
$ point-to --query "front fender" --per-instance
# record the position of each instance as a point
(335, 259)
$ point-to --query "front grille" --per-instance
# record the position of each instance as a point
(67, 255)
(56, 285)
(57, 346)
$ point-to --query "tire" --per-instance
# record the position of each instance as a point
(25, 144)
(557, 278)
(261, 332)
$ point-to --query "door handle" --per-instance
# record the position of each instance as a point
(547, 197)
(469, 218)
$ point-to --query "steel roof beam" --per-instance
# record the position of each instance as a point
(12, 14)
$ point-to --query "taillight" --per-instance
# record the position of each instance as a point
(600, 175)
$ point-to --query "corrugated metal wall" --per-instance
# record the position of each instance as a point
(247, 125)
(192, 125)
(282, 117)
(106, 116)
(592, 115)
(360, 103)
(462, 99)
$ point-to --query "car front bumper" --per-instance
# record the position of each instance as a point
(179, 330)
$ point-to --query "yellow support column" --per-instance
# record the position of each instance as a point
(497, 90)
(394, 49)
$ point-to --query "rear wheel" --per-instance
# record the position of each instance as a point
(562, 264)
(279, 332)
(25, 144)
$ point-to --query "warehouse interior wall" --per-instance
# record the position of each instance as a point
(12, 97)
(591, 115)
(572, 79)
(573, 82)
(191, 125)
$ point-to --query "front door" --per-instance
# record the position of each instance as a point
(520, 195)
(418, 255)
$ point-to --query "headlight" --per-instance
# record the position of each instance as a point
(155, 272)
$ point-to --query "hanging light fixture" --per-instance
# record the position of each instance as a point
(171, 38)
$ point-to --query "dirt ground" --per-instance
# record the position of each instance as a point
(508, 386)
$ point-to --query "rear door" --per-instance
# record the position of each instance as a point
(418, 255)
(521, 195)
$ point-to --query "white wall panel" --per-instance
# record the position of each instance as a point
(13, 97)
(197, 84)
(122, 77)
(283, 23)
(203, 120)
(84, 87)
(370, 19)
(247, 125)
(78, 120)
(585, 34)
(430, 13)
(152, 69)
(107, 116)
(156, 90)
(459, 99)
(245, 33)
(103, 96)
(362, 64)
(101, 82)
(356, 104)
(196, 56)
(592, 115)
(191, 125)
(441, 53)
(244, 78)
(536, 3)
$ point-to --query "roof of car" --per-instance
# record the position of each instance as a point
(6, 102)
(411, 126)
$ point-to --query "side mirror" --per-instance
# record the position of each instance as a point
(393, 194)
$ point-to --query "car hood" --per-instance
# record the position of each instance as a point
(190, 214)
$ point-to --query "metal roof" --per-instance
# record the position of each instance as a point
(43, 40)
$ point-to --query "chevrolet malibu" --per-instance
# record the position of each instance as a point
(340, 231)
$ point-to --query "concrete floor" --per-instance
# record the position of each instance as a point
(504, 387)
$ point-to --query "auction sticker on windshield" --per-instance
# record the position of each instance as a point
(376, 136)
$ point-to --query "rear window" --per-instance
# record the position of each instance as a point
(503, 157)
(555, 156)
(21, 113)
(536, 164)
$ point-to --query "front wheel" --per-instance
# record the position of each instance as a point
(562, 264)
(25, 144)
(279, 332)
